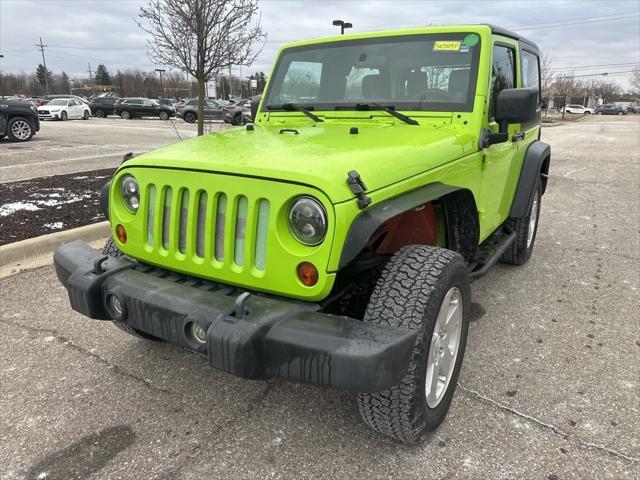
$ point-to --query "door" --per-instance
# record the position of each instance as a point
(149, 108)
(498, 158)
(76, 108)
(214, 110)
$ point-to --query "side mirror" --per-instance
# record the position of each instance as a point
(255, 101)
(516, 105)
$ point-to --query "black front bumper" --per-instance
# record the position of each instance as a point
(255, 337)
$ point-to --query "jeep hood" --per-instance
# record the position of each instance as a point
(319, 155)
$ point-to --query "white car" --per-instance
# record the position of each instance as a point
(64, 109)
(578, 109)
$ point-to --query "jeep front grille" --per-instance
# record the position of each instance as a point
(207, 226)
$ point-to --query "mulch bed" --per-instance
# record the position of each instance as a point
(43, 205)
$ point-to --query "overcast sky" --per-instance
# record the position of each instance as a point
(594, 36)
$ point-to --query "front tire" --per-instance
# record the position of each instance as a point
(164, 116)
(19, 130)
(125, 115)
(426, 289)
(190, 117)
(526, 229)
(111, 249)
(237, 120)
(100, 113)
(64, 116)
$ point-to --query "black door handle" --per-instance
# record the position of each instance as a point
(517, 137)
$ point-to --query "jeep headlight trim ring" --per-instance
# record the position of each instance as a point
(130, 192)
(307, 221)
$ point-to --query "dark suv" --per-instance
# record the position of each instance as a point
(143, 107)
(610, 109)
(103, 106)
(213, 110)
(18, 120)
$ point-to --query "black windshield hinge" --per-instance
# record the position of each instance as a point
(358, 188)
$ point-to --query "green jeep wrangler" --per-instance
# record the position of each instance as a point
(333, 241)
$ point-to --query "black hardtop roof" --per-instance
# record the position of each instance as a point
(508, 33)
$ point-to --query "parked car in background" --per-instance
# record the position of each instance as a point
(633, 109)
(610, 109)
(214, 110)
(18, 120)
(129, 108)
(578, 109)
(103, 106)
(47, 98)
(64, 109)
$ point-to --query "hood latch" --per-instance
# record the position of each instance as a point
(358, 188)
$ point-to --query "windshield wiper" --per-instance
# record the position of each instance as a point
(390, 109)
(294, 107)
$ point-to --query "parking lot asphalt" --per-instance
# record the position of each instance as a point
(78, 146)
(549, 389)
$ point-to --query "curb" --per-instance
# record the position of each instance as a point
(46, 244)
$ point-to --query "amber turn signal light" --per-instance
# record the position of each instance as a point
(121, 233)
(308, 274)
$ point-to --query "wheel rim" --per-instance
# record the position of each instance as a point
(443, 351)
(533, 219)
(124, 115)
(21, 130)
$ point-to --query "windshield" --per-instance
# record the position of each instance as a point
(434, 72)
(59, 101)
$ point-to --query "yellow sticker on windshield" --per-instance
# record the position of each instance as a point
(450, 46)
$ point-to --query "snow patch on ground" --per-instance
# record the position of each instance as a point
(54, 225)
(11, 208)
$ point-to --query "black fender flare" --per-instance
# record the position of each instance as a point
(370, 219)
(535, 164)
(104, 199)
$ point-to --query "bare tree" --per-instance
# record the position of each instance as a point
(546, 75)
(608, 90)
(202, 37)
(635, 80)
(564, 86)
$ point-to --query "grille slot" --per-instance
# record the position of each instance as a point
(201, 222)
(182, 227)
(166, 218)
(150, 214)
(262, 227)
(240, 231)
(221, 214)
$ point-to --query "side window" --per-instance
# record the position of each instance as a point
(530, 70)
(503, 75)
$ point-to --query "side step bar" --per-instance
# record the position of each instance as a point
(490, 252)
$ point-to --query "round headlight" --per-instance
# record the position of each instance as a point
(130, 192)
(307, 221)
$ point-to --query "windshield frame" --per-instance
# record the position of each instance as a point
(399, 105)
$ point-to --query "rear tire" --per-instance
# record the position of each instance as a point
(526, 229)
(164, 116)
(419, 286)
(111, 249)
(86, 115)
(237, 120)
(100, 113)
(190, 117)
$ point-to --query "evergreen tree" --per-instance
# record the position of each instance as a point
(43, 75)
(65, 84)
(102, 76)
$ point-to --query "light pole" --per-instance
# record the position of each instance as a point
(1, 77)
(161, 71)
(342, 24)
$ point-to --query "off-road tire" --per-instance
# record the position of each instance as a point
(518, 253)
(100, 113)
(17, 129)
(190, 117)
(163, 116)
(409, 294)
(110, 248)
